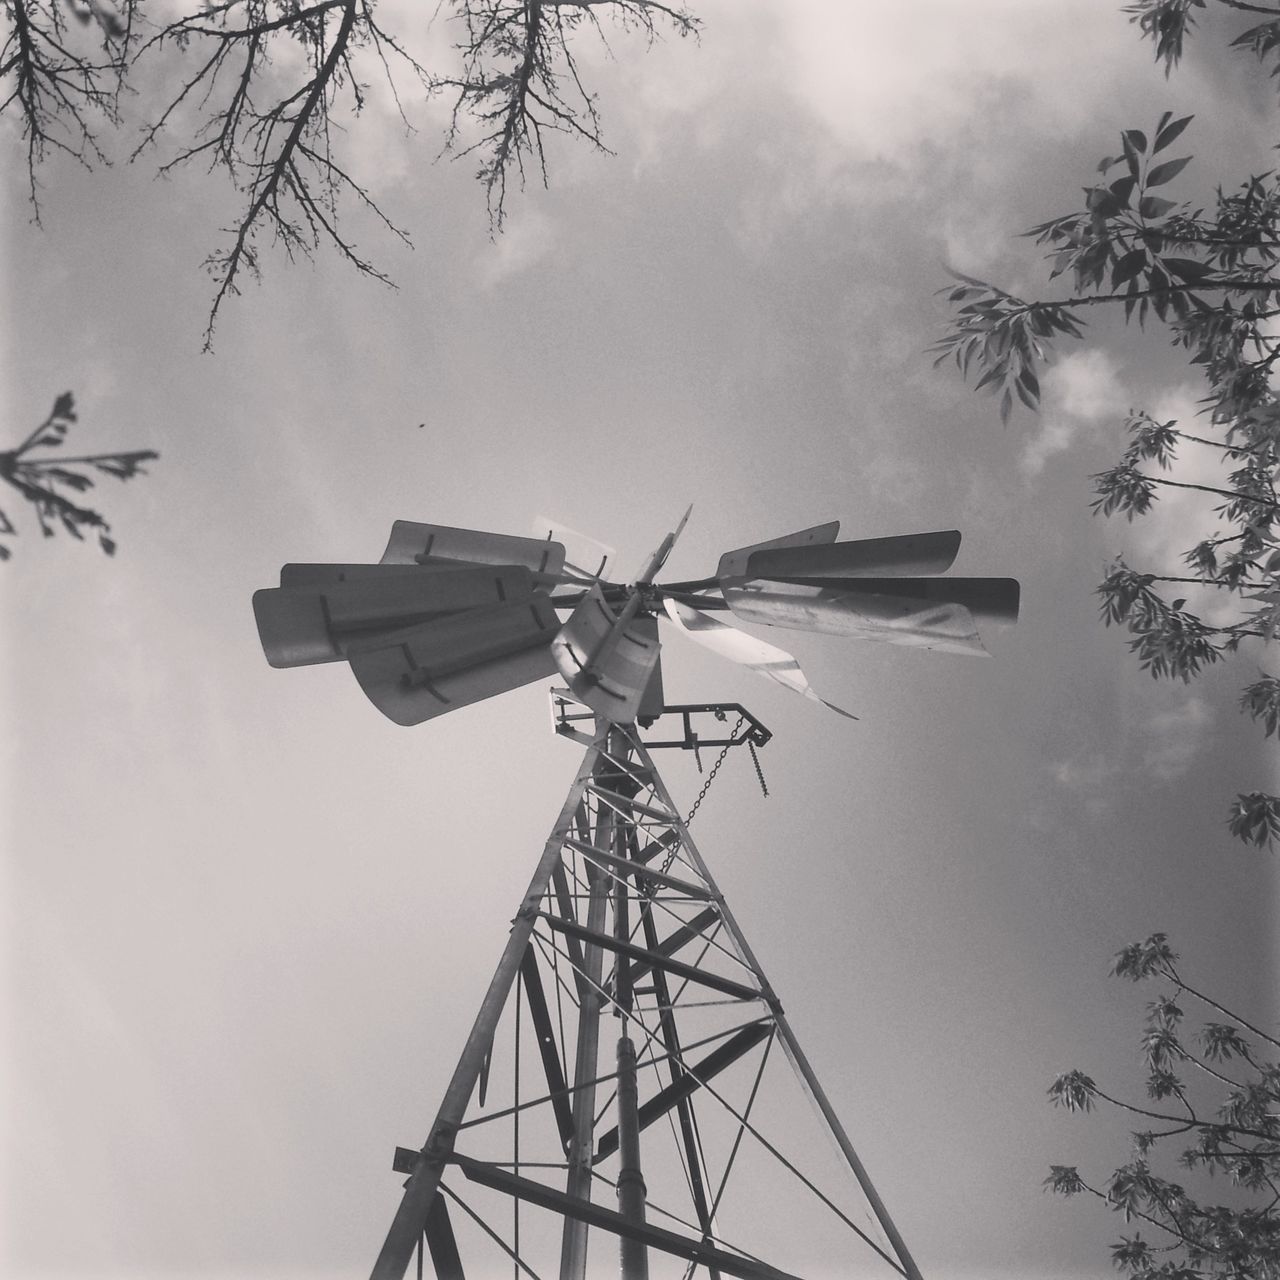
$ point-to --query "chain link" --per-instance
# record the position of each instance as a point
(715, 768)
(755, 760)
(711, 777)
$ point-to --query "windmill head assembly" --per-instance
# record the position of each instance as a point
(449, 616)
(682, 1152)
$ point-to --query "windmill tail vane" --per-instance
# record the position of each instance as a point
(450, 616)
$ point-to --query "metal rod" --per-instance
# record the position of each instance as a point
(630, 950)
(694, 1159)
(631, 1188)
(573, 1245)
(626, 866)
(698, 1251)
(411, 1215)
(690, 1080)
(633, 1255)
(790, 1045)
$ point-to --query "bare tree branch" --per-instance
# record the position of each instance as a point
(236, 98)
(62, 85)
(520, 80)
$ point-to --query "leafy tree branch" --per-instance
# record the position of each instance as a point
(42, 479)
(1238, 1139)
(1205, 277)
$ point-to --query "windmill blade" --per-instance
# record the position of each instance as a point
(907, 555)
(323, 575)
(425, 671)
(659, 557)
(748, 651)
(733, 564)
(930, 613)
(608, 660)
(588, 557)
(303, 625)
(413, 543)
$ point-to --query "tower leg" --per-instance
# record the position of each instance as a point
(573, 1252)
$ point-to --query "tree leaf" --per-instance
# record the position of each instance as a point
(1128, 267)
(1122, 189)
(1136, 139)
(1162, 173)
(1155, 206)
(1188, 268)
(1168, 133)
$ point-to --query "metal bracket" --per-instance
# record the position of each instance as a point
(752, 731)
(566, 710)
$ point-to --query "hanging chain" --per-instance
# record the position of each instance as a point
(755, 760)
(715, 768)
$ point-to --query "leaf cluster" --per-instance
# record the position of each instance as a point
(1169, 23)
(1235, 1136)
(45, 480)
(1210, 278)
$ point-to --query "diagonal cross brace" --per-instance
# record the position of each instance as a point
(628, 867)
(547, 1046)
(696, 1251)
(441, 1242)
(629, 951)
(715, 1062)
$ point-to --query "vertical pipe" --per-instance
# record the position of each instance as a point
(631, 1188)
(573, 1243)
(633, 1258)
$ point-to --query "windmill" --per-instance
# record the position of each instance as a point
(543, 1134)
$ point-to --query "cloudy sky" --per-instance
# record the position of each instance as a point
(247, 920)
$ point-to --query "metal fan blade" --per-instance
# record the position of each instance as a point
(767, 659)
(607, 660)
(324, 575)
(911, 554)
(659, 557)
(587, 556)
(733, 564)
(413, 543)
(422, 672)
(931, 613)
(303, 625)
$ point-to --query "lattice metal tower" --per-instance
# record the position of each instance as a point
(625, 1077)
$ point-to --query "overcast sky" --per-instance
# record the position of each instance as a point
(248, 920)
